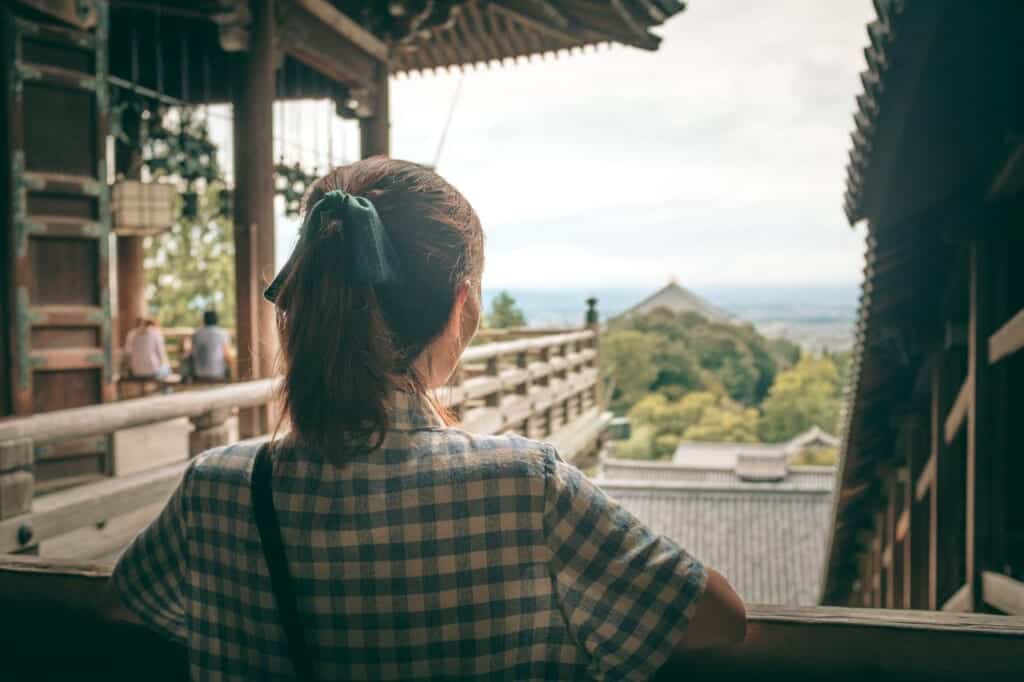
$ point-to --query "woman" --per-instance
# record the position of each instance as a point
(408, 547)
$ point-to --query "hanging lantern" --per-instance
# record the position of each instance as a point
(142, 208)
(190, 204)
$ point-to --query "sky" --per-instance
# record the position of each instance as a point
(717, 160)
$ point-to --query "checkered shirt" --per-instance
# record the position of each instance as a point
(442, 554)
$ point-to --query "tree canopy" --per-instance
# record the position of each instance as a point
(505, 312)
(808, 394)
(681, 377)
(687, 352)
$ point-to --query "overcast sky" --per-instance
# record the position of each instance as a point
(719, 159)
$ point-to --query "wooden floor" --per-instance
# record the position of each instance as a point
(135, 450)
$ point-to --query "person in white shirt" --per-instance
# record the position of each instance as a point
(147, 352)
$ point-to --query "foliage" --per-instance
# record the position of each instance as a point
(660, 423)
(626, 356)
(191, 267)
(816, 456)
(505, 312)
(687, 352)
(804, 396)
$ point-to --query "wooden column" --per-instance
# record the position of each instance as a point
(375, 130)
(253, 101)
(131, 284)
(980, 453)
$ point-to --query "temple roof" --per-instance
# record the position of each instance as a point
(678, 299)
(768, 542)
(425, 35)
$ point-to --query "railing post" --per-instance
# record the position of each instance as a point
(209, 430)
(493, 370)
(17, 483)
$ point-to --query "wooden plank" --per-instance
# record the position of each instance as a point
(66, 315)
(962, 600)
(61, 512)
(958, 412)
(1003, 592)
(1008, 339)
(67, 358)
(927, 478)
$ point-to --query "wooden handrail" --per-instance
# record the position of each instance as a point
(1003, 592)
(53, 607)
(80, 422)
(501, 348)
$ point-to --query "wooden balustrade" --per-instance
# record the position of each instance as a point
(545, 387)
(51, 605)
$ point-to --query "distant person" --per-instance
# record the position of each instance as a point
(147, 353)
(211, 350)
(403, 546)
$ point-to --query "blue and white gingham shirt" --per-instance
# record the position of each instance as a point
(443, 554)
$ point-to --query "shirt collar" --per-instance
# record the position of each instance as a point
(409, 411)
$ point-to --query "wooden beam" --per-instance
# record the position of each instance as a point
(317, 45)
(962, 600)
(1003, 592)
(926, 480)
(903, 525)
(61, 601)
(1008, 339)
(346, 28)
(958, 412)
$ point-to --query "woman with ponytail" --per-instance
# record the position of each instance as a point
(373, 538)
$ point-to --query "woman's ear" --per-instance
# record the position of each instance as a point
(459, 311)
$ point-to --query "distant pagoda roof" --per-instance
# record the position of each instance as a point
(677, 298)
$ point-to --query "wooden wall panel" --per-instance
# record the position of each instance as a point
(56, 271)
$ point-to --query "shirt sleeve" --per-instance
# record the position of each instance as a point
(627, 594)
(150, 575)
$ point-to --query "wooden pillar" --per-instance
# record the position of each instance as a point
(209, 430)
(131, 284)
(375, 130)
(253, 101)
(982, 456)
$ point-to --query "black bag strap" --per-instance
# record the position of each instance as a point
(277, 563)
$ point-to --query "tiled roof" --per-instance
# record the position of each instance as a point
(818, 478)
(678, 299)
(768, 542)
(723, 455)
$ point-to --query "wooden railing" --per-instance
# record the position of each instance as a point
(543, 387)
(54, 627)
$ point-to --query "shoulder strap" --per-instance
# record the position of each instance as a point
(277, 563)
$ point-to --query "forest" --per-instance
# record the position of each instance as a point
(679, 376)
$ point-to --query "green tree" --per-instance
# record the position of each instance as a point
(804, 396)
(627, 358)
(191, 267)
(816, 456)
(725, 422)
(660, 424)
(505, 312)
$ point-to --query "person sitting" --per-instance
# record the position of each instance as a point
(147, 353)
(403, 546)
(211, 350)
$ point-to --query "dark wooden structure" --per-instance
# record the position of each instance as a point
(928, 514)
(66, 279)
(58, 607)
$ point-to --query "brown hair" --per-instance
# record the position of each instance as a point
(346, 347)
